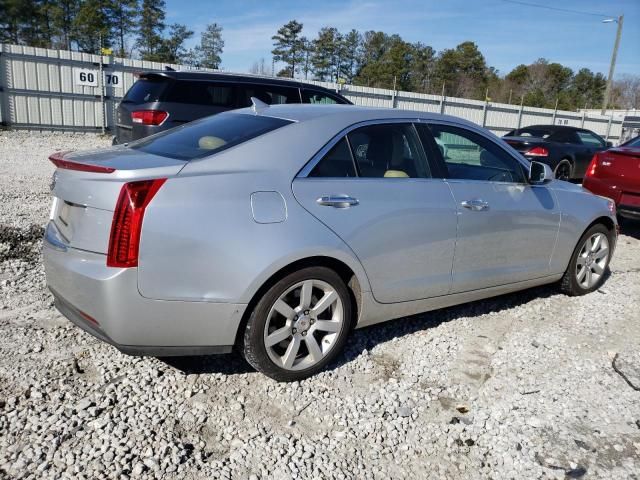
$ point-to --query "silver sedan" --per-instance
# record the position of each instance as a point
(279, 229)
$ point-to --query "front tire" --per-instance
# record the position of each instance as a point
(589, 262)
(299, 325)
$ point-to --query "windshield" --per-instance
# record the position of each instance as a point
(634, 142)
(208, 136)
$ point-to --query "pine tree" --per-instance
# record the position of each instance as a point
(211, 46)
(172, 49)
(62, 15)
(150, 28)
(288, 48)
(351, 44)
(92, 25)
(124, 16)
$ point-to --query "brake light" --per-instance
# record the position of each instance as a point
(537, 152)
(126, 227)
(58, 160)
(149, 117)
(591, 169)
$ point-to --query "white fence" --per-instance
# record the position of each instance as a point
(59, 89)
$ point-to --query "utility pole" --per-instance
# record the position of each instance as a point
(607, 92)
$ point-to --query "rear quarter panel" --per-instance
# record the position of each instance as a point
(580, 209)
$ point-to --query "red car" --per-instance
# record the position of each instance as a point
(615, 173)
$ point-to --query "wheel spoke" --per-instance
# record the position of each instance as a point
(597, 269)
(305, 294)
(314, 348)
(283, 309)
(581, 262)
(325, 302)
(278, 336)
(595, 243)
(587, 279)
(602, 253)
(582, 273)
(292, 351)
(331, 326)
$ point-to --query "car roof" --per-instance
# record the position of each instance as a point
(553, 127)
(347, 114)
(229, 77)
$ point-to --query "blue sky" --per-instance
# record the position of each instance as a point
(508, 34)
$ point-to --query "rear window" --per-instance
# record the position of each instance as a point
(202, 93)
(530, 132)
(144, 91)
(208, 136)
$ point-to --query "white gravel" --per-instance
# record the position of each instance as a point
(520, 386)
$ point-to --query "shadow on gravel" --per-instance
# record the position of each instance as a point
(16, 243)
(369, 337)
(630, 228)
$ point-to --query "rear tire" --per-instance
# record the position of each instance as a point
(589, 262)
(299, 325)
(564, 170)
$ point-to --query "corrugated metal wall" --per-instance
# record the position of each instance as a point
(40, 88)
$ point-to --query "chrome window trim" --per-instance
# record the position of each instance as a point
(310, 165)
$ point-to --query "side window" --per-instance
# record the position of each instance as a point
(590, 140)
(392, 151)
(271, 95)
(310, 96)
(202, 93)
(565, 136)
(468, 155)
(336, 163)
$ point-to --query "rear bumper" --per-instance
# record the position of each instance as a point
(106, 303)
(629, 211)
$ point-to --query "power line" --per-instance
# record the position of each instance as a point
(558, 9)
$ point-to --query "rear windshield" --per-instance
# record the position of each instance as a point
(208, 136)
(144, 91)
(530, 132)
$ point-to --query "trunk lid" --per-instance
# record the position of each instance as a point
(84, 201)
(621, 164)
(524, 144)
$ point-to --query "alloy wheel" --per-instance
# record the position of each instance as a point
(592, 260)
(563, 171)
(303, 325)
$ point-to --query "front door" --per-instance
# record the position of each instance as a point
(507, 228)
(375, 190)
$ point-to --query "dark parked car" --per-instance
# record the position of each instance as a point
(162, 100)
(616, 174)
(567, 150)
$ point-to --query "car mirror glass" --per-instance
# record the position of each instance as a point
(540, 173)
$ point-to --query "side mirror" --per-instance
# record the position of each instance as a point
(609, 144)
(540, 173)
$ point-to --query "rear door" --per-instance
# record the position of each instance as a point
(374, 189)
(269, 94)
(506, 228)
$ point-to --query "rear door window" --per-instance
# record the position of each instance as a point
(145, 91)
(271, 95)
(316, 97)
(208, 136)
(336, 163)
(202, 93)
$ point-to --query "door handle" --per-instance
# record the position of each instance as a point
(337, 201)
(476, 205)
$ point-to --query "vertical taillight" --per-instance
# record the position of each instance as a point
(149, 117)
(591, 169)
(124, 242)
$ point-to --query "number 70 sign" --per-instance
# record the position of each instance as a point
(89, 78)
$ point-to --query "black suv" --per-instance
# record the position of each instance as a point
(162, 100)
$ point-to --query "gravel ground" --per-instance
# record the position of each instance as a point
(528, 385)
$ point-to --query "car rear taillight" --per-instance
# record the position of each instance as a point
(537, 152)
(126, 227)
(591, 169)
(149, 117)
(58, 160)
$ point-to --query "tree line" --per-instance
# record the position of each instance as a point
(377, 59)
(128, 27)
(138, 29)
